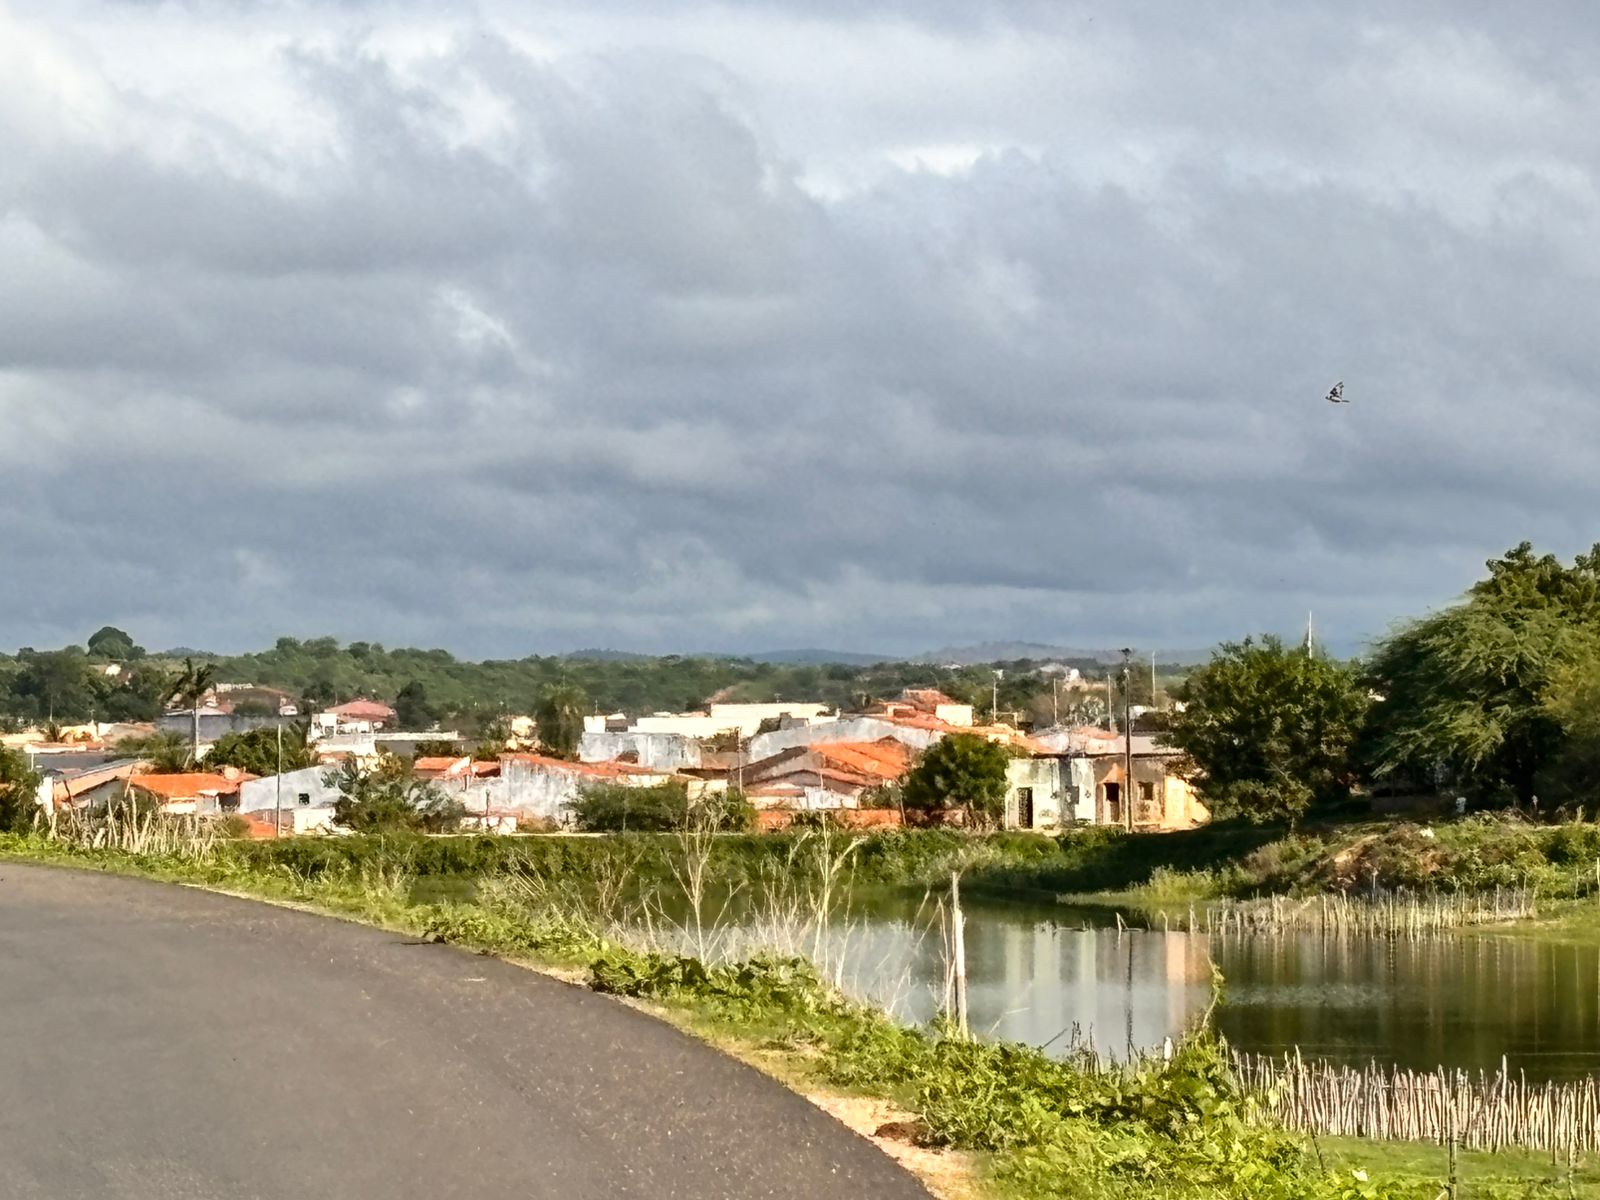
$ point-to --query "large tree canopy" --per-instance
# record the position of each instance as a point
(1477, 689)
(1267, 730)
(961, 770)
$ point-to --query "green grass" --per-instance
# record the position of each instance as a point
(1506, 1175)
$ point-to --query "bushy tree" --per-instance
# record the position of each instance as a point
(662, 807)
(560, 716)
(256, 751)
(19, 792)
(389, 798)
(961, 770)
(412, 709)
(1268, 730)
(110, 642)
(1477, 689)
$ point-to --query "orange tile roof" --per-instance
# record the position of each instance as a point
(373, 709)
(928, 698)
(189, 785)
(609, 770)
(441, 764)
(885, 759)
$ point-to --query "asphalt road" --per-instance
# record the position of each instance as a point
(158, 1041)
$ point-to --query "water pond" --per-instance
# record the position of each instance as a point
(1037, 972)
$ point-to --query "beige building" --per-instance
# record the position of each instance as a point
(1057, 791)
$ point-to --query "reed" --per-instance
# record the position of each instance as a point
(1383, 914)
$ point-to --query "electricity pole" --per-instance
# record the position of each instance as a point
(1127, 739)
(277, 808)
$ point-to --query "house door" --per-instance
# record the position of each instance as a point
(1113, 804)
(1025, 808)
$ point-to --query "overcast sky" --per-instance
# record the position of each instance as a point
(512, 327)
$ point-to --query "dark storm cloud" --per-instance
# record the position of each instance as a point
(1003, 320)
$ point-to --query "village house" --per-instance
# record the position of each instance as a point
(826, 775)
(196, 793)
(1087, 786)
(354, 717)
(532, 785)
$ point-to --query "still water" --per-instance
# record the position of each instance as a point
(1036, 972)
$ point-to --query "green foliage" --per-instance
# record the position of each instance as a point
(412, 709)
(1268, 730)
(112, 643)
(257, 750)
(165, 750)
(962, 770)
(437, 748)
(1481, 690)
(19, 790)
(560, 716)
(390, 798)
(616, 807)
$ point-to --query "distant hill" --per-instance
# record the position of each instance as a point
(812, 658)
(992, 652)
(607, 656)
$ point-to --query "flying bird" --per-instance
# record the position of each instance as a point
(1336, 394)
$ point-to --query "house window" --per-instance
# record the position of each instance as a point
(1147, 801)
(303, 798)
(1025, 808)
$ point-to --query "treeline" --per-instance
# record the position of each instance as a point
(72, 684)
(1495, 699)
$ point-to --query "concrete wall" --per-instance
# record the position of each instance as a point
(261, 795)
(659, 751)
(845, 729)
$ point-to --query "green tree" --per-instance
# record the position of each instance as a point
(618, 808)
(389, 798)
(110, 642)
(1268, 730)
(1476, 690)
(961, 770)
(256, 751)
(165, 750)
(412, 709)
(190, 687)
(19, 792)
(560, 716)
(55, 685)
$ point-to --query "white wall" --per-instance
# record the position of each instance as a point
(260, 795)
(844, 729)
(659, 751)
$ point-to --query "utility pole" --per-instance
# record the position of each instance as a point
(994, 701)
(1055, 699)
(1127, 739)
(277, 809)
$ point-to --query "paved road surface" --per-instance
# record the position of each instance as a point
(160, 1042)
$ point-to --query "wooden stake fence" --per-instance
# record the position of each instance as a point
(1477, 1111)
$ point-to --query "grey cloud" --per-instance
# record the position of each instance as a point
(539, 351)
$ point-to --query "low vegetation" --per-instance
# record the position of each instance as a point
(1177, 1129)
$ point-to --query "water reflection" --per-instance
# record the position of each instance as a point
(1036, 972)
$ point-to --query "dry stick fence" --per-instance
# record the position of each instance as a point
(1387, 914)
(1478, 1111)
